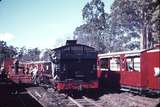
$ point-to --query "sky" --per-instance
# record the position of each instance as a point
(40, 23)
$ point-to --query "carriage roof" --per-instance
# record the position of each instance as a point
(117, 54)
(129, 53)
(35, 62)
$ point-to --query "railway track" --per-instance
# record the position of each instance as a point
(83, 102)
(51, 98)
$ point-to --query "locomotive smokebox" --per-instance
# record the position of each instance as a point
(71, 42)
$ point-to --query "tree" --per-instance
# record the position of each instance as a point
(44, 55)
(21, 54)
(93, 12)
(135, 16)
(6, 51)
(28, 54)
(121, 29)
(156, 22)
(33, 54)
(90, 32)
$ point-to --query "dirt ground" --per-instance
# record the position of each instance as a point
(50, 98)
(47, 97)
(127, 100)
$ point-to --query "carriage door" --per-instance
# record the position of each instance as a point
(130, 71)
(123, 69)
(122, 63)
(152, 60)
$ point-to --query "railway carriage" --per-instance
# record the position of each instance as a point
(41, 71)
(74, 67)
(136, 71)
(24, 72)
(16, 72)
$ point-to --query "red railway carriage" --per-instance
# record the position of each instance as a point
(5, 66)
(38, 70)
(8, 62)
(8, 65)
(135, 70)
(42, 66)
(150, 68)
(16, 72)
(26, 72)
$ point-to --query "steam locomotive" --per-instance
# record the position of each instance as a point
(74, 67)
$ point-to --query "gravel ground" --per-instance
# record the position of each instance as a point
(50, 98)
(12, 95)
(127, 100)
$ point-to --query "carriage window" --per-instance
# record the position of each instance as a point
(137, 64)
(104, 64)
(133, 64)
(130, 64)
(47, 67)
(114, 64)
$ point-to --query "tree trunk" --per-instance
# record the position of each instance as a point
(143, 38)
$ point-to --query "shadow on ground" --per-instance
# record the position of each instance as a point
(13, 95)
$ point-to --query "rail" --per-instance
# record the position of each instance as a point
(84, 102)
(92, 101)
(75, 102)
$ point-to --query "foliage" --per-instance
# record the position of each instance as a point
(136, 16)
(6, 51)
(93, 12)
(94, 17)
(120, 30)
(28, 54)
(34, 54)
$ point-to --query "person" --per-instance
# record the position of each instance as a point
(16, 66)
(34, 73)
(3, 73)
(27, 70)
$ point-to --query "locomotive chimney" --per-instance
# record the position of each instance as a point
(71, 42)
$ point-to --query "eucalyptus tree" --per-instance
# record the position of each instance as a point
(136, 17)
(90, 33)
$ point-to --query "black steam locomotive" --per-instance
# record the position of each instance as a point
(74, 67)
